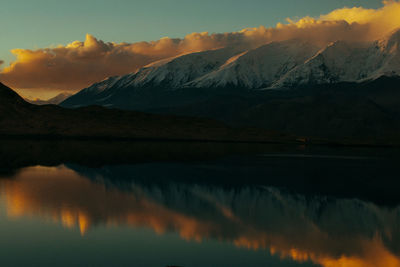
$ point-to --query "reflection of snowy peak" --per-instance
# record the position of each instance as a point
(274, 65)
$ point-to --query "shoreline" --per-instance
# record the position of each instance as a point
(296, 141)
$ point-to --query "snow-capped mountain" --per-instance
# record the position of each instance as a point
(221, 68)
(285, 64)
(347, 62)
(172, 73)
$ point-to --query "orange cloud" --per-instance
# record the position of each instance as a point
(80, 64)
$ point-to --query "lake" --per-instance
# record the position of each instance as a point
(70, 203)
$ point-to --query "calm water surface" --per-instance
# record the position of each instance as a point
(149, 204)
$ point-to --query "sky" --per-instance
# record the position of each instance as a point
(33, 25)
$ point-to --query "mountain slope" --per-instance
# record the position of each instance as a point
(11, 104)
(346, 113)
(21, 119)
(362, 111)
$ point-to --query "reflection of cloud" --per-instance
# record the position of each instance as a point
(63, 196)
(79, 64)
(328, 232)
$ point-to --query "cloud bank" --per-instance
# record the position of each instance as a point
(79, 64)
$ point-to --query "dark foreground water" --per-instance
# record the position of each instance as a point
(187, 204)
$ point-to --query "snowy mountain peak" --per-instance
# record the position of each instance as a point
(283, 64)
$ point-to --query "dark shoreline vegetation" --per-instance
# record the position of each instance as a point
(346, 172)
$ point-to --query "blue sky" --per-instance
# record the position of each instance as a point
(42, 23)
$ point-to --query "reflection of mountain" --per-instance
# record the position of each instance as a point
(365, 173)
(326, 231)
(373, 179)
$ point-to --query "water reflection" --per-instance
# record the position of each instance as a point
(326, 231)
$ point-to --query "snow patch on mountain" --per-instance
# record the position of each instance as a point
(177, 72)
(259, 67)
